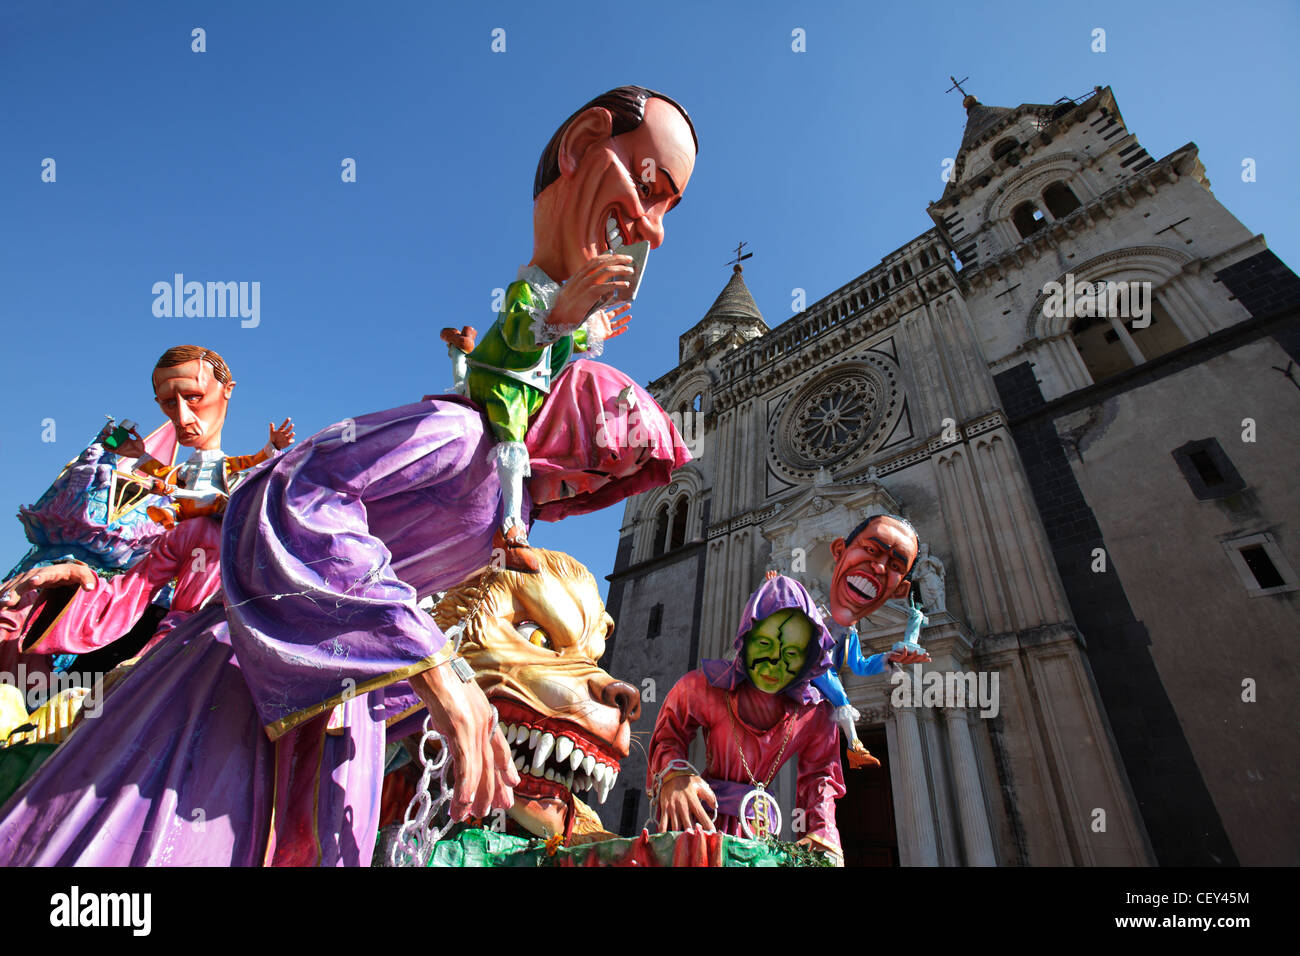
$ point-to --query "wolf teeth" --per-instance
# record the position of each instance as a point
(560, 759)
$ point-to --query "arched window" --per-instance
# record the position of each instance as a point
(1161, 336)
(698, 404)
(1060, 200)
(1100, 347)
(1003, 147)
(661, 530)
(1107, 351)
(1027, 218)
(679, 523)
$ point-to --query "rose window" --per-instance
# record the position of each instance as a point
(832, 422)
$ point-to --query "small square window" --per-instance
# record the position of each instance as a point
(1262, 567)
(1208, 469)
(656, 621)
(1265, 572)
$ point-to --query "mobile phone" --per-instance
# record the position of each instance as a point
(639, 251)
(119, 434)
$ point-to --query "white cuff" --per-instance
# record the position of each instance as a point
(595, 339)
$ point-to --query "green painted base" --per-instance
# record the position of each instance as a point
(473, 847)
(19, 762)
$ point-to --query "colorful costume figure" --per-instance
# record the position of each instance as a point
(88, 516)
(871, 566)
(751, 730)
(848, 653)
(510, 374)
(268, 711)
(186, 554)
(192, 385)
(603, 185)
(200, 486)
(267, 715)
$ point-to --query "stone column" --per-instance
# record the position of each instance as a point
(945, 825)
(914, 805)
(977, 838)
(1134, 353)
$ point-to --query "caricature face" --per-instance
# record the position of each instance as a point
(534, 654)
(619, 187)
(195, 402)
(776, 649)
(870, 569)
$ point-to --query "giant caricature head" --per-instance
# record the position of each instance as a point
(533, 643)
(776, 649)
(870, 567)
(192, 386)
(613, 169)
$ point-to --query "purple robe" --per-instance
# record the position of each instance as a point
(254, 733)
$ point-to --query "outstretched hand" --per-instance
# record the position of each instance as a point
(50, 576)
(281, 437)
(905, 655)
(610, 324)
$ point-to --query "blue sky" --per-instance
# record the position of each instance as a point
(225, 165)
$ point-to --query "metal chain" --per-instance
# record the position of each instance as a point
(418, 836)
(676, 763)
(776, 764)
(759, 793)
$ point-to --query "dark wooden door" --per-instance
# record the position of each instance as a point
(865, 814)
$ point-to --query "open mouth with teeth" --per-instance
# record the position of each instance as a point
(615, 234)
(556, 758)
(863, 586)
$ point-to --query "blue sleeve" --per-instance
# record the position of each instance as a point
(862, 666)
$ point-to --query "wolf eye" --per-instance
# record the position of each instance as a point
(533, 634)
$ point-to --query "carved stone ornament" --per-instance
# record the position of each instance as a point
(841, 414)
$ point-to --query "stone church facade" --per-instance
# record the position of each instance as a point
(1107, 503)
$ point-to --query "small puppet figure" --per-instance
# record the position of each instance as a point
(192, 386)
(871, 567)
(756, 711)
(605, 180)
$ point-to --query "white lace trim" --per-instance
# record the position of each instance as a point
(548, 290)
(512, 456)
(595, 339)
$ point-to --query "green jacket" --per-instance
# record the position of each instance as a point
(516, 345)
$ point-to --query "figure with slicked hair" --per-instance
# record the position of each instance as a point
(605, 180)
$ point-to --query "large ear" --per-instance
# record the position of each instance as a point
(837, 548)
(593, 126)
(903, 590)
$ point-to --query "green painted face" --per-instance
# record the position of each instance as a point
(776, 648)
